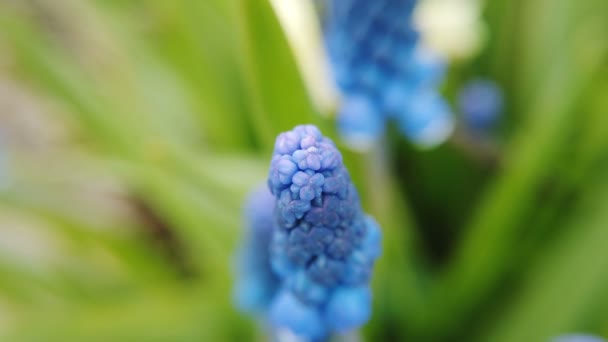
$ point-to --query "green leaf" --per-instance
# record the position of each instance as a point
(171, 314)
(533, 156)
(198, 40)
(53, 72)
(561, 288)
(275, 89)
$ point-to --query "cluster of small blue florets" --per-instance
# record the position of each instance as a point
(323, 245)
(384, 73)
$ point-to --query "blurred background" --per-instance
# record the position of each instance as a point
(131, 132)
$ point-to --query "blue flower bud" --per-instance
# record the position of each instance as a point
(381, 70)
(481, 103)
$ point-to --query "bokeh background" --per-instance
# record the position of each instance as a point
(131, 132)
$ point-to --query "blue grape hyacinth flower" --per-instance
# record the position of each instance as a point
(256, 283)
(384, 73)
(323, 246)
(481, 103)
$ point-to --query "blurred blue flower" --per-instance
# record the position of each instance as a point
(384, 73)
(360, 122)
(323, 246)
(578, 338)
(256, 283)
(481, 103)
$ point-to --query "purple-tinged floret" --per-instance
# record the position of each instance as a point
(307, 185)
(305, 243)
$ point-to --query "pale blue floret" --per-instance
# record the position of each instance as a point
(289, 312)
(347, 308)
(306, 289)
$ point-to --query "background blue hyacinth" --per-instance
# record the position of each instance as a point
(135, 134)
(480, 103)
(384, 73)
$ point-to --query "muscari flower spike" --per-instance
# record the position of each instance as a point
(384, 73)
(323, 246)
(481, 103)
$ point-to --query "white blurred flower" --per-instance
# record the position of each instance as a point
(303, 30)
(453, 28)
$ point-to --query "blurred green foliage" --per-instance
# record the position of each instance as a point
(177, 103)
